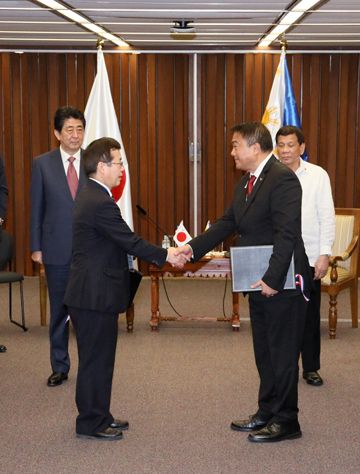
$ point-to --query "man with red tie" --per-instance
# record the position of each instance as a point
(266, 210)
(56, 179)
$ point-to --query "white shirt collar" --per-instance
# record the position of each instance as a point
(103, 185)
(65, 156)
(261, 166)
(302, 167)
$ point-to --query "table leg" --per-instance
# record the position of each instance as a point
(235, 317)
(154, 321)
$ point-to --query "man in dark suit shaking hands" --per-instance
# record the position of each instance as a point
(99, 286)
(266, 210)
(56, 178)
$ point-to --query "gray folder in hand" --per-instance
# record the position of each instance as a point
(249, 264)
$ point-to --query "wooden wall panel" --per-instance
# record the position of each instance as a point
(326, 87)
(151, 97)
(151, 100)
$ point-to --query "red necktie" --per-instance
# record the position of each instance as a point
(250, 185)
(72, 177)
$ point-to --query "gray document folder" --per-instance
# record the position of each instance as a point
(249, 264)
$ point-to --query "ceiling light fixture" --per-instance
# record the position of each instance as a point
(81, 20)
(288, 20)
(182, 27)
(183, 30)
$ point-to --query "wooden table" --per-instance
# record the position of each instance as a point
(43, 303)
(207, 267)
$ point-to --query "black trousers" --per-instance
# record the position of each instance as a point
(310, 351)
(96, 336)
(57, 277)
(277, 325)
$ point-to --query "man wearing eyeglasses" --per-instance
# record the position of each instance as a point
(99, 286)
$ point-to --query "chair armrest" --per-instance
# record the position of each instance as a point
(347, 254)
(341, 258)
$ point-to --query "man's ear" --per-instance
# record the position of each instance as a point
(256, 147)
(100, 167)
(57, 134)
(302, 148)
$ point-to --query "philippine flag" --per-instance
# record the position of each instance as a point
(281, 108)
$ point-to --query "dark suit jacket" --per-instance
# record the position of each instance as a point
(52, 208)
(270, 216)
(99, 274)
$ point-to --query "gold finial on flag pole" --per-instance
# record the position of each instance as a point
(283, 42)
(99, 43)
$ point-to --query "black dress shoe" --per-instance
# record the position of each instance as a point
(107, 434)
(56, 378)
(3, 348)
(254, 422)
(120, 424)
(276, 431)
(313, 378)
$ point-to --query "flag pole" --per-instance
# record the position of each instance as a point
(283, 43)
(99, 43)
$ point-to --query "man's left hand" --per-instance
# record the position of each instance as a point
(265, 289)
(321, 267)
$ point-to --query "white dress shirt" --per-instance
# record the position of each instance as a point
(65, 159)
(317, 210)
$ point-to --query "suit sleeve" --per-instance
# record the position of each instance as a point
(285, 208)
(218, 232)
(111, 224)
(37, 207)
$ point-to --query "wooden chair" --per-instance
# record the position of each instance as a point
(130, 312)
(10, 277)
(343, 268)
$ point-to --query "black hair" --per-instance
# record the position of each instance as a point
(255, 132)
(64, 113)
(291, 130)
(99, 150)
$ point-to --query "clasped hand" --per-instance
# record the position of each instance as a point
(177, 257)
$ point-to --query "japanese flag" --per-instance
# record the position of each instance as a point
(101, 121)
(181, 236)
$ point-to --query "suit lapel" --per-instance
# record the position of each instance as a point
(260, 180)
(243, 203)
(59, 172)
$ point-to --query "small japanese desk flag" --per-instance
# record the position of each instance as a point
(181, 236)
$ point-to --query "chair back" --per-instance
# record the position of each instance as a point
(344, 232)
(6, 249)
(347, 226)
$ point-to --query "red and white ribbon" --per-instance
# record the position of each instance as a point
(299, 281)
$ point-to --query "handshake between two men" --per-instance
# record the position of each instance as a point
(178, 256)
